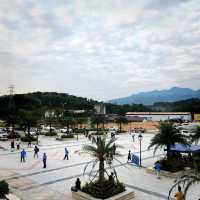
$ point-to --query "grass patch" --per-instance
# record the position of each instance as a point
(67, 136)
(51, 134)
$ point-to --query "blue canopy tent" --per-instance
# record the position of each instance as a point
(185, 148)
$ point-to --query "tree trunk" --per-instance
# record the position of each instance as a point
(29, 128)
(97, 127)
(168, 152)
(67, 128)
(50, 127)
(101, 171)
(120, 127)
(13, 130)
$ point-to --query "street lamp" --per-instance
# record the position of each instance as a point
(140, 139)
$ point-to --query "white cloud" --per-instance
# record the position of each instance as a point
(99, 49)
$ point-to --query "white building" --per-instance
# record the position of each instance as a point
(100, 109)
(162, 116)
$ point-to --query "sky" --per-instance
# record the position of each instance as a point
(99, 49)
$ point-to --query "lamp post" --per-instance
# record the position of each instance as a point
(140, 139)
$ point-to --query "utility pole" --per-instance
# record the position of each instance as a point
(11, 104)
(11, 108)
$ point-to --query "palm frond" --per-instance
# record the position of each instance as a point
(191, 182)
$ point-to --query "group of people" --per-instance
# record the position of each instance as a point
(23, 155)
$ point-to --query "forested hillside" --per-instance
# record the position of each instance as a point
(190, 105)
(39, 102)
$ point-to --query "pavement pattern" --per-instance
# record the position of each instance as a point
(30, 181)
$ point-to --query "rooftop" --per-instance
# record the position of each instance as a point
(158, 113)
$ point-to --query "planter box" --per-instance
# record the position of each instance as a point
(127, 195)
(151, 170)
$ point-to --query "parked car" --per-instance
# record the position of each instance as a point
(31, 132)
(47, 129)
(65, 130)
(3, 136)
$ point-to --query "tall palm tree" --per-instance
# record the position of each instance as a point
(27, 118)
(121, 120)
(81, 121)
(168, 135)
(196, 136)
(98, 119)
(100, 151)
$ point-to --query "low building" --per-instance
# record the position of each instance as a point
(161, 116)
(197, 117)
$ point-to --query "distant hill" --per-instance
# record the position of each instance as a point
(41, 101)
(189, 105)
(149, 98)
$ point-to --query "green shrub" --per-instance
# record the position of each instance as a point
(4, 189)
(105, 190)
(67, 136)
(28, 138)
(171, 165)
(51, 134)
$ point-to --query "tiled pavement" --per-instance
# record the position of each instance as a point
(29, 181)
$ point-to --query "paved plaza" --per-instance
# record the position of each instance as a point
(30, 181)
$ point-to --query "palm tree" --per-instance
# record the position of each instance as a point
(98, 119)
(121, 120)
(186, 181)
(27, 118)
(69, 122)
(12, 121)
(100, 151)
(81, 121)
(168, 135)
(196, 136)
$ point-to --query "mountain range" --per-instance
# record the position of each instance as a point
(149, 98)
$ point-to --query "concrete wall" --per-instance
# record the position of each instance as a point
(127, 195)
(148, 125)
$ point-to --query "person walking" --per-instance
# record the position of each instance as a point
(133, 137)
(12, 145)
(179, 195)
(29, 144)
(66, 154)
(23, 155)
(157, 169)
(44, 158)
(18, 146)
(129, 156)
(36, 150)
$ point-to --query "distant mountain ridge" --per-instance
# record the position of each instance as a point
(149, 98)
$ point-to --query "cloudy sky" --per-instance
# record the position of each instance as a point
(99, 49)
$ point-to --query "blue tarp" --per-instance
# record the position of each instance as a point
(186, 148)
